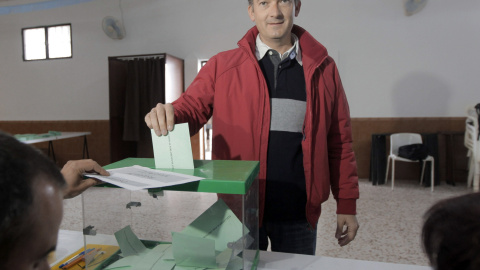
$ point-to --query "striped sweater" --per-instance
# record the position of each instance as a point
(286, 195)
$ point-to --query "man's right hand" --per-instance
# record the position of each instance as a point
(161, 119)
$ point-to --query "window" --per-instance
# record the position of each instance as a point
(201, 63)
(47, 42)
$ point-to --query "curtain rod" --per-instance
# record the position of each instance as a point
(141, 57)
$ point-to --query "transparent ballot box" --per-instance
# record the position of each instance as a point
(181, 227)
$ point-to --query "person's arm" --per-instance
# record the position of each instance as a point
(194, 106)
(343, 166)
(73, 173)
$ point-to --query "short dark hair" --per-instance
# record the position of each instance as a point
(451, 233)
(20, 166)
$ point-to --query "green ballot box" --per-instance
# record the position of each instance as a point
(211, 223)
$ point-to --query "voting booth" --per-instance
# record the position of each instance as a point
(126, 229)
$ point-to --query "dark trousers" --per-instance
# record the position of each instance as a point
(288, 236)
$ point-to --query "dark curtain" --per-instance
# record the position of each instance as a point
(145, 87)
(117, 74)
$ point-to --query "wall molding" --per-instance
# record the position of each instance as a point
(362, 128)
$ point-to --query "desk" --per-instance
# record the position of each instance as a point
(63, 135)
(71, 241)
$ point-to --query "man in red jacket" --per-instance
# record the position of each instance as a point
(278, 99)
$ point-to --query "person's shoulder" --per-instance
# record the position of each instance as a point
(313, 52)
(232, 55)
(231, 58)
(329, 61)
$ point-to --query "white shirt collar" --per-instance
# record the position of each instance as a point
(261, 49)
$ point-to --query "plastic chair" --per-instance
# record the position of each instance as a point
(401, 139)
(473, 146)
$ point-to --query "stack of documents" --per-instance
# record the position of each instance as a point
(138, 177)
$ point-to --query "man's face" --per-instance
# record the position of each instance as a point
(30, 253)
(274, 19)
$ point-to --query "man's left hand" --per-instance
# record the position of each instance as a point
(347, 227)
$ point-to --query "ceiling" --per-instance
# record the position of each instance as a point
(20, 2)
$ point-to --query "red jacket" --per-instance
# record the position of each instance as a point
(232, 83)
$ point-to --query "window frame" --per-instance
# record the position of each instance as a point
(46, 27)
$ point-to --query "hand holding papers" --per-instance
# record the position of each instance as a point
(172, 151)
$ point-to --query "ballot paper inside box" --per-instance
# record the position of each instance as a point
(178, 227)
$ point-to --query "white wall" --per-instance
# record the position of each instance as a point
(391, 65)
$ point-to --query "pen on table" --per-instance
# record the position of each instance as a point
(75, 259)
(71, 259)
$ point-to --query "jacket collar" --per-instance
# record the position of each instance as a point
(313, 52)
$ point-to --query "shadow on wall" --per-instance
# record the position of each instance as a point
(421, 95)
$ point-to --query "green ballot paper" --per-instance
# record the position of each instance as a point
(205, 242)
(193, 251)
(129, 242)
(218, 223)
(174, 150)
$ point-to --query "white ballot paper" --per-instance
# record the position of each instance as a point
(173, 151)
(138, 177)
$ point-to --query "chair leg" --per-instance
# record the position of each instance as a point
(393, 172)
(475, 183)
(386, 174)
(432, 176)
(476, 177)
(471, 171)
(423, 172)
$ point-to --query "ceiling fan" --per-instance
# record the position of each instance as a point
(413, 6)
(113, 27)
